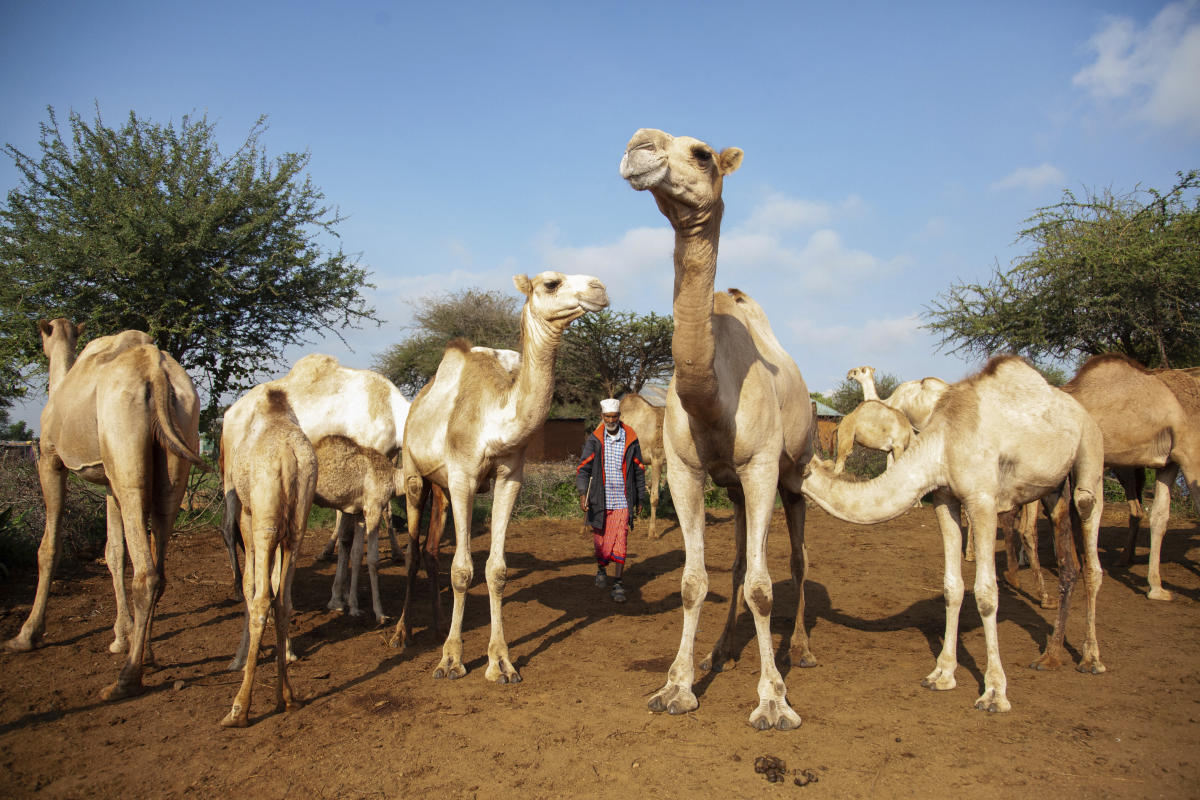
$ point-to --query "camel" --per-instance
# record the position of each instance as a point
(876, 427)
(647, 420)
(274, 475)
(997, 440)
(471, 424)
(737, 410)
(915, 399)
(126, 416)
(1150, 418)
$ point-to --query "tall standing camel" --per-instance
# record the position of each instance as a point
(915, 399)
(876, 427)
(647, 420)
(737, 410)
(997, 440)
(126, 416)
(471, 423)
(1149, 419)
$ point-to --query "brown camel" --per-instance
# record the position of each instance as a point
(737, 410)
(273, 471)
(996, 440)
(647, 420)
(876, 427)
(126, 416)
(471, 424)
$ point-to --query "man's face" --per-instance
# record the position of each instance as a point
(611, 421)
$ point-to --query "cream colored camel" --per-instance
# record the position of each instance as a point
(915, 399)
(876, 427)
(737, 410)
(997, 440)
(472, 422)
(1149, 419)
(647, 420)
(124, 415)
(273, 472)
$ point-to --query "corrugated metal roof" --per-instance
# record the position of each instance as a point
(827, 411)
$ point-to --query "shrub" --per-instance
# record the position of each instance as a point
(83, 528)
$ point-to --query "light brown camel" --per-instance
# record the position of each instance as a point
(1149, 419)
(647, 420)
(915, 399)
(274, 474)
(737, 410)
(876, 427)
(997, 440)
(470, 424)
(126, 416)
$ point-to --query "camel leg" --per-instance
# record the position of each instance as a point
(948, 512)
(243, 648)
(655, 477)
(114, 557)
(256, 583)
(374, 517)
(721, 658)
(969, 547)
(232, 536)
(794, 510)
(845, 445)
(53, 477)
(1068, 572)
(759, 483)
(687, 492)
(329, 552)
(429, 557)
(285, 698)
(508, 483)
(1133, 481)
(1029, 538)
(357, 537)
(1085, 519)
(343, 532)
(416, 490)
(462, 499)
(145, 591)
(1160, 514)
(995, 683)
(1012, 559)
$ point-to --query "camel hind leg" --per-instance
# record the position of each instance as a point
(114, 558)
(794, 510)
(1160, 513)
(146, 589)
(1133, 481)
(1057, 509)
(655, 477)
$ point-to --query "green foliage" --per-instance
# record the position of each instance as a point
(14, 431)
(611, 353)
(151, 227)
(849, 394)
(1106, 273)
(82, 529)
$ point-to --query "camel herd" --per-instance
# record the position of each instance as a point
(989, 448)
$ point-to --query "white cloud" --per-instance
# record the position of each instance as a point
(1151, 71)
(637, 269)
(779, 213)
(1032, 178)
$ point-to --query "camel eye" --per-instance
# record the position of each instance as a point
(702, 155)
(552, 286)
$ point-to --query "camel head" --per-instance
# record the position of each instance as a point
(684, 174)
(861, 374)
(59, 335)
(559, 299)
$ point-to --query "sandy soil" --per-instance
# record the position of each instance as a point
(377, 724)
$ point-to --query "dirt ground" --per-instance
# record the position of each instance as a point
(375, 723)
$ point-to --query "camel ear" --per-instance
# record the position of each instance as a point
(44, 327)
(730, 159)
(79, 328)
(523, 284)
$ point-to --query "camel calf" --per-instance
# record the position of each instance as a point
(360, 483)
(274, 472)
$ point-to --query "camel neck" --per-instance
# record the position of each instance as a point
(887, 496)
(534, 386)
(60, 364)
(869, 392)
(693, 346)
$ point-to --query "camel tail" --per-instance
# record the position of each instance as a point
(166, 433)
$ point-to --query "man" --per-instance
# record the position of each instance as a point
(611, 481)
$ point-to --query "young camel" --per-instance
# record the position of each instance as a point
(737, 410)
(915, 399)
(647, 421)
(876, 427)
(997, 440)
(126, 416)
(470, 424)
(274, 474)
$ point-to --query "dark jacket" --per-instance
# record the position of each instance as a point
(589, 476)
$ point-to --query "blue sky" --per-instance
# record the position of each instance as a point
(891, 149)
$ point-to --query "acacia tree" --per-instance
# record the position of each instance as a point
(1106, 273)
(150, 227)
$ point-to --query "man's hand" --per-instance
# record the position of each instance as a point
(583, 502)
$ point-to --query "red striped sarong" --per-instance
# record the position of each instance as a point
(610, 542)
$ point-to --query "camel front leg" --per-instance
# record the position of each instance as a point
(1089, 530)
(1057, 509)
(773, 711)
(948, 512)
(114, 558)
(721, 658)
(343, 532)
(508, 483)
(374, 520)
(53, 477)
(462, 500)
(995, 683)
(1132, 480)
(1160, 512)
(655, 477)
(797, 651)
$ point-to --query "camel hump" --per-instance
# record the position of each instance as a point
(312, 367)
(1102, 361)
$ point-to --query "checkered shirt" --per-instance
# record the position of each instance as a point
(614, 481)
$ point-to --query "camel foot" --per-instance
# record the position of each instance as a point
(1049, 602)
(774, 714)
(993, 702)
(329, 553)
(1159, 593)
(450, 668)
(1092, 664)
(236, 718)
(287, 705)
(22, 644)
(969, 556)
(119, 690)
(356, 612)
(235, 665)
(1013, 579)
(939, 680)
(1047, 661)
(718, 662)
(674, 699)
(336, 605)
(502, 671)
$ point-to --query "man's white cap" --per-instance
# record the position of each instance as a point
(610, 406)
